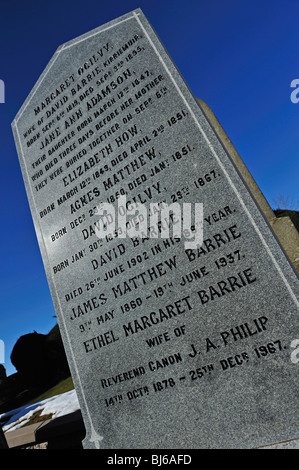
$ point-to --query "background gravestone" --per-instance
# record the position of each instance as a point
(168, 348)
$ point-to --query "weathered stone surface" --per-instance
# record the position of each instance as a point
(169, 347)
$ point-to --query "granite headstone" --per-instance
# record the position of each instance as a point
(170, 345)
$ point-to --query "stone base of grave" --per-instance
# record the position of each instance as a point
(65, 432)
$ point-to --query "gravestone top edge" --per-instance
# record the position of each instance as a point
(68, 44)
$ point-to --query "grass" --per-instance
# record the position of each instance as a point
(64, 386)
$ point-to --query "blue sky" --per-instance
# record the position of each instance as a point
(239, 56)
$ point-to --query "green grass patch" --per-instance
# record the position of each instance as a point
(64, 386)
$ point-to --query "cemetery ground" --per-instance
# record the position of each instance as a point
(57, 401)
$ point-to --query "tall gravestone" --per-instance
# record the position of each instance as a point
(169, 347)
